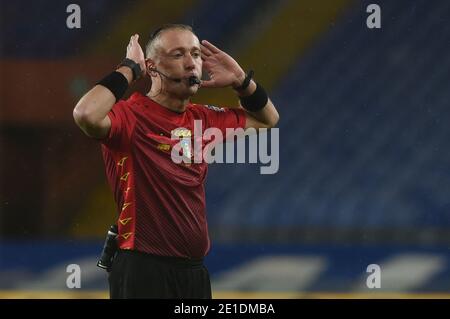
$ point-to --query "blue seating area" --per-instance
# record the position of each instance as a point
(218, 21)
(37, 29)
(39, 269)
(364, 133)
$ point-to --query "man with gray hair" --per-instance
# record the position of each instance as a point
(162, 228)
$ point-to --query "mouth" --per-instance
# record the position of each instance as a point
(190, 75)
(193, 80)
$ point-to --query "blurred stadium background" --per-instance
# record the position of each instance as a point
(365, 159)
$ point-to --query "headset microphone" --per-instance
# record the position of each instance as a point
(192, 80)
(167, 77)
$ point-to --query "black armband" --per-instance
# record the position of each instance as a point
(116, 82)
(256, 101)
(246, 81)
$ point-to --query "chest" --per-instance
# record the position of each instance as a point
(169, 146)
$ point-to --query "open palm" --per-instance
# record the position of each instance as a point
(222, 69)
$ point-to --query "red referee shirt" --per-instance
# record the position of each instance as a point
(161, 204)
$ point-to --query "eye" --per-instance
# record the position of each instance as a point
(177, 55)
(196, 54)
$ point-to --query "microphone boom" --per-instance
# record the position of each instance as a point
(192, 80)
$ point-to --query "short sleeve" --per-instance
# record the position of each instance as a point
(225, 118)
(122, 125)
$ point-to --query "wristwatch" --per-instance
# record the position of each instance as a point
(135, 67)
(246, 81)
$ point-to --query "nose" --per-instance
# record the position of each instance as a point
(189, 62)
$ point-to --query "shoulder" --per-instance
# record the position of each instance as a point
(135, 100)
(130, 104)
(206, 108)
(126, 110)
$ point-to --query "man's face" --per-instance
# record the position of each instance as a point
(179, 56)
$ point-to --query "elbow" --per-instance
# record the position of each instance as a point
(274, 119)
(77, 115)
(83, 118)
(80, 116)
(272, 115)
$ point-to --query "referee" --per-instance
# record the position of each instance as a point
(162, 228)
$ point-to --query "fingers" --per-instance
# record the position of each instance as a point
(210, 47)
(133, 40)
(134, 51)
(205, 57)
(205, 51)
(207, 65)
(208, 84)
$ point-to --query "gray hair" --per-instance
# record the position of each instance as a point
(150, 48)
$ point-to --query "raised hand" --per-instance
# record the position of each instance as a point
(222, 69)
(135, 53)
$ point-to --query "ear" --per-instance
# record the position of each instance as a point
(150, 67)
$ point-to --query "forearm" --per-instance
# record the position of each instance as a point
(94, 106)
(268, 115)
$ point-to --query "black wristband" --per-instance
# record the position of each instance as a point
(256, 101)
(135, 67)
(246, 81)
(116, 82)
